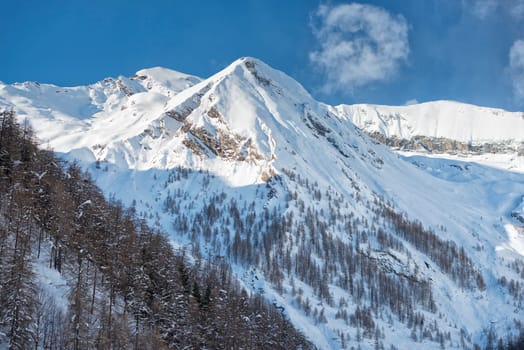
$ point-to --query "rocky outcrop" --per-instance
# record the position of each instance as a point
(518, 212)
(213, 113)
(444, 145)
(223, 144)
(315, 125)
(124, 88)
(250, 65)
(184, 109)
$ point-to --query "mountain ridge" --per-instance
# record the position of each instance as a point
(449, 119)
(247, 166)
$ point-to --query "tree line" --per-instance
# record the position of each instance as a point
(127, 288)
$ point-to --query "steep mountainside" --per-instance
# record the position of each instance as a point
(446, 119)
(80, 272)
(491, 136)
(358, 246)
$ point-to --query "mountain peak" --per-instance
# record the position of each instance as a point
(247, 167)
(165, 81)
(247, 59)
(162, 73)
(259, 75)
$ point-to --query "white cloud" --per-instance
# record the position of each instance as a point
(517, 10)
(485, 8)
(516, 69)
(359, 44)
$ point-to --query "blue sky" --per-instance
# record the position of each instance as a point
(387, 52)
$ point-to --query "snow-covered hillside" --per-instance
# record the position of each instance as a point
(358, 245)
(446, 119)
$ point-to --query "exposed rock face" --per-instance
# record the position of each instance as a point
(124, 88)
(266, 176)
(250, 65)
(183, 110)
(194, 146)
(518, 212)
(213, 113)
(444, 145)
(225, 145)
(181, 114)
(314, 124)
(518, 216)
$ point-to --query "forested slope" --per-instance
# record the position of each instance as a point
(357, 245)
(125, 285)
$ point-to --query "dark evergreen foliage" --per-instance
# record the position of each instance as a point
(128, 287)
(289, 243)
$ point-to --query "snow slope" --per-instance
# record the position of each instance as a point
(448, 119)
(252, 150)
(86, 110)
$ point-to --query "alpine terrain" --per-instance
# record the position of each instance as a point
(370, 227)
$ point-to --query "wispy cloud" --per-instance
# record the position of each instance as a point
(358, 44)
(483, 8)
(486, 8)
(516, 70)
(517, 10)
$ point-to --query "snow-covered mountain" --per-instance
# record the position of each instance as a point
(487, 135)
(358, 244)
(445, 119)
